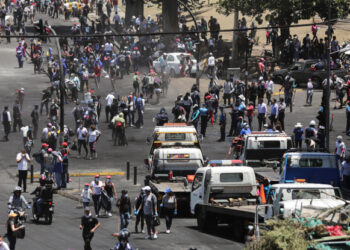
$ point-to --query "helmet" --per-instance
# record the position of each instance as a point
(108, 177)
(210, 54)
(312, 123)
(168, 190)
(86, 184)
(64, 144)
(97, 176)
(339, 138)
(12, 215)
(123, 235)
(42, 180)
(17, 188)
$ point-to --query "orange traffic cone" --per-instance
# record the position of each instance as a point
(262, 194)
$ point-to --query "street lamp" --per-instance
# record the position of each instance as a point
(61, 85)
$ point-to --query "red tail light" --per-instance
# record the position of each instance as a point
(170, 175)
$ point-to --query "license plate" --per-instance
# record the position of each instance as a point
(50, 209)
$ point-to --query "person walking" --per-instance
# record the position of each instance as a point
(109, 101)
(149, 206)
(340, 149)
(89, 225)
(139, 215)
(111, 192)
(195, 116)
(86, 195)
(94, 135)
(22, 162)
(35, 120)
(17, 116)
(274, 112)
(222, 123)
(298, 135)
(82, 134)
(6, 122)
(169, 204)
(281, 112)
(309, 92)
(124, 206)
(269, 89)
(12, 228)
(262, 113)
(96, 187)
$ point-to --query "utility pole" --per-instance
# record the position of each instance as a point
(234, 38)
(61, 85)
(246, 71)
(327, 89)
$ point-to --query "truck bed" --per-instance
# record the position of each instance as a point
(176, 187)
(244, 212)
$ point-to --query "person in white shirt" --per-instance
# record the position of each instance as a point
(96, 187)
(3, 244)
(82, 135)
(108, 47)
(94, 134)
(309, 92)
(262, 113)
(269, 90)
(109, 102)
(340, 149)
(86, 195)
(211, 64)
(45, 133)
(22, 162)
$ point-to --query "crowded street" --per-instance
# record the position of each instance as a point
(115, 136)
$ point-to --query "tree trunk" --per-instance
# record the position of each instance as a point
(170, 17)
(133, 8)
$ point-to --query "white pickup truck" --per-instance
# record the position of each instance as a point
(288, 198)
(224, 195)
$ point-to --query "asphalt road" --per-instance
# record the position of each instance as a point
(64, 233)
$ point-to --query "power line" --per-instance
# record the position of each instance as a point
(165, 33)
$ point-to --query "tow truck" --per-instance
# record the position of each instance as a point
(174, 157)
(225, 195)
(263, 151)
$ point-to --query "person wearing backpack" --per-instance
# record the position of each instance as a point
(140, 107)
(136, 83)
(118, 134)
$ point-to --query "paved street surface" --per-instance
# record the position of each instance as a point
(64, 233)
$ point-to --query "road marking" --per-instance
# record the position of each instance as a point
(282, 92)
(88, 174)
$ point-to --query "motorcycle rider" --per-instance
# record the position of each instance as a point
(123, 243)
(17, 199)
(37, 200)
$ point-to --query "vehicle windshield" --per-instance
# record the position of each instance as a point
(297, 161)
(306, 193)
(186, 55)
(299, 194)
(175, 137)
(296, 66)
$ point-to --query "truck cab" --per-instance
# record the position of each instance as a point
(287, 199)
(230, 185)
(174, 134)
(263, 151)
(313, 167)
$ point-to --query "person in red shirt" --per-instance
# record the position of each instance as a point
(250, 114)
(261, 67)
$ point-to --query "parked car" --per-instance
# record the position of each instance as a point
(174, 66)
(301, 72)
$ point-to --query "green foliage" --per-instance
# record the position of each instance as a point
(285, 11)
(284, 235)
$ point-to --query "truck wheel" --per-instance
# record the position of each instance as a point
(200, 221)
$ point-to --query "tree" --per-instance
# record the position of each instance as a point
(285, 12)
(133, 8)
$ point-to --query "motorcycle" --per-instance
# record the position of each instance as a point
(47, 210)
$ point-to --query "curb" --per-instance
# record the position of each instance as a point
(89, 174)
(282, 92)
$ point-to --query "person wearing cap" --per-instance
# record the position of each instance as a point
(89, 225)
(124, 206)
(3, 244)
(149, 207)
(111, 192)
(298, 135)
(35, 120)
(96, 187)
(12, 228)
(310, 133)
(340, 149)
(86, 195)
(169, 204)
(6, 122)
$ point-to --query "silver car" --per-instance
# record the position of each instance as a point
(174, 65)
